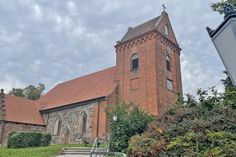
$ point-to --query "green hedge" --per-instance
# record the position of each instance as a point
(28, 139)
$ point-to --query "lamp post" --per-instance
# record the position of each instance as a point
(224, 39)
(114, 118)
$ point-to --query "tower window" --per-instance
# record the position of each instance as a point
(168, 60)
(170, 85)
(166, 30)
(134, 62)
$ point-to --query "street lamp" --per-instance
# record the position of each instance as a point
(224, 39)
(110, 145)
(114, 118)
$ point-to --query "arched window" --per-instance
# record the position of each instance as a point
(134, 62)
(57, 129)
(168, 60)
(83, 122)
(166, 31)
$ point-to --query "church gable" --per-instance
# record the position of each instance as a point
(166, 29)
(141, 29)
(161, 24)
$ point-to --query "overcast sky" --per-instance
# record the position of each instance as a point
(52, 41)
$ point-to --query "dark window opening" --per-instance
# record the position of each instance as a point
(168, 60)
(134, 62)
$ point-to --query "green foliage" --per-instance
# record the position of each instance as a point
(219, 5)
(131, 120)
(227, 81)
(28, 139)
(30, 92)
(203, 127)
(230, 91)
(17, 92)
(85, 142)
(45, 140)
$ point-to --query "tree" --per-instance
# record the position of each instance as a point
(131, 120)
(218, 6)
(227, 81)
(17, 92)
(230, 91)
(203, 127)
(30, 92)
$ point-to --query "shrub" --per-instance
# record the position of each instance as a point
(45, 140)
(203, 127)
(28, 139)
(131, 120)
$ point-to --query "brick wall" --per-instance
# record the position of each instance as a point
(165, 96)
(139, 85)
(11, 126)
(1, 129)
(147, 86)
(2, 105)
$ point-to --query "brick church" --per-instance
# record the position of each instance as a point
(147, 72)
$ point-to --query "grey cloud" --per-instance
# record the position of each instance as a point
(53, 41)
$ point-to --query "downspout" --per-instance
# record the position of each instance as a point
(98, 117)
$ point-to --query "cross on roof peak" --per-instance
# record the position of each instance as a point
(164, 7)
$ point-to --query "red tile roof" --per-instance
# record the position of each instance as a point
(142, 28)
(81, 89)
(22, 110)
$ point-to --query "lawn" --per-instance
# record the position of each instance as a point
(50, 151)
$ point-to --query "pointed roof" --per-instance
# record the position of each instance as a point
(88, 87)
(142, 28)
(22, 110)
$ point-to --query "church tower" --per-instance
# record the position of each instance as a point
(148, 65)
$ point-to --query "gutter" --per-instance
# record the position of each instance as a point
(72, 105)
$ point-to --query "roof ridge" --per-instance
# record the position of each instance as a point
(23, 98)
(83, 76)
(157, 17)
(142, 28)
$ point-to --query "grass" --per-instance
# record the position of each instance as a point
(50, 151)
